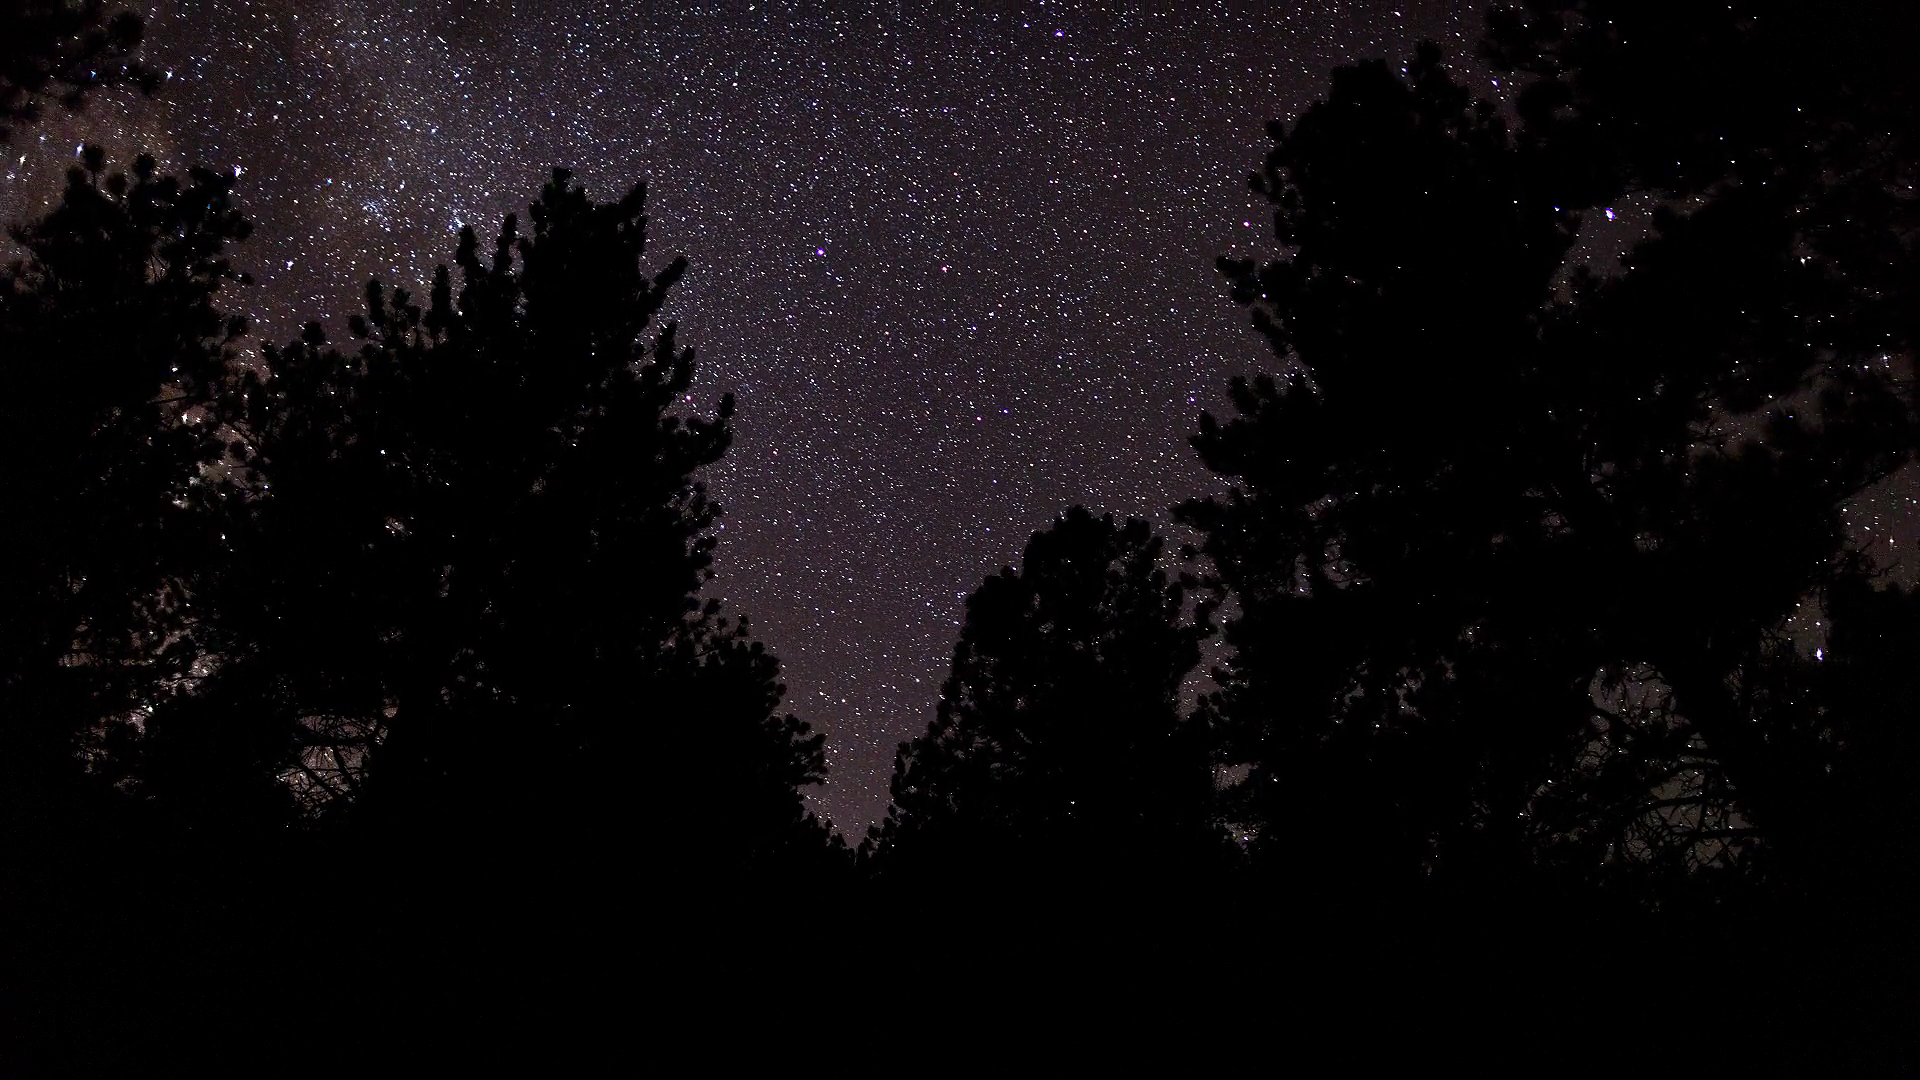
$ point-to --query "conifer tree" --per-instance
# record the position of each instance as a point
(480, 551)
(1487, 494)
(1059, 748)
(115, 352)
(116, 346)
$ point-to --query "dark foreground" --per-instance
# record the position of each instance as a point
(439, 967)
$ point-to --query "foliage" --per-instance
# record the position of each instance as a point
(115, 350)
(1491, 499)
(1059, 748)
(62, 50)
(480, 549)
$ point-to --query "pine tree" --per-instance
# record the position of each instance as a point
(1489, 494)
(115, 351)
(478, 562)
(1059, 750)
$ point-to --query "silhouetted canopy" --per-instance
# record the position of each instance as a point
(1059, 748)
(1494, 536)
(60, 50)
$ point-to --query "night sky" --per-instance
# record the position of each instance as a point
(956, 267)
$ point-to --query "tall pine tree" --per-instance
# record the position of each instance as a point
(1489, 494)
(115, 351)
(474, 585)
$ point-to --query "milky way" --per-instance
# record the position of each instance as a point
(956, 267)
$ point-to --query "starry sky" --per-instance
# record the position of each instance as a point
(955, 264)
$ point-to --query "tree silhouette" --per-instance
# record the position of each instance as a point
(62, 50)
(1364, 474)
(115, 351)
(479, 549)
(1798, 273)
(1059, 748)
(1489, 503)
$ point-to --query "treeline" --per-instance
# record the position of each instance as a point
(1529, 576)
(1531, 572)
